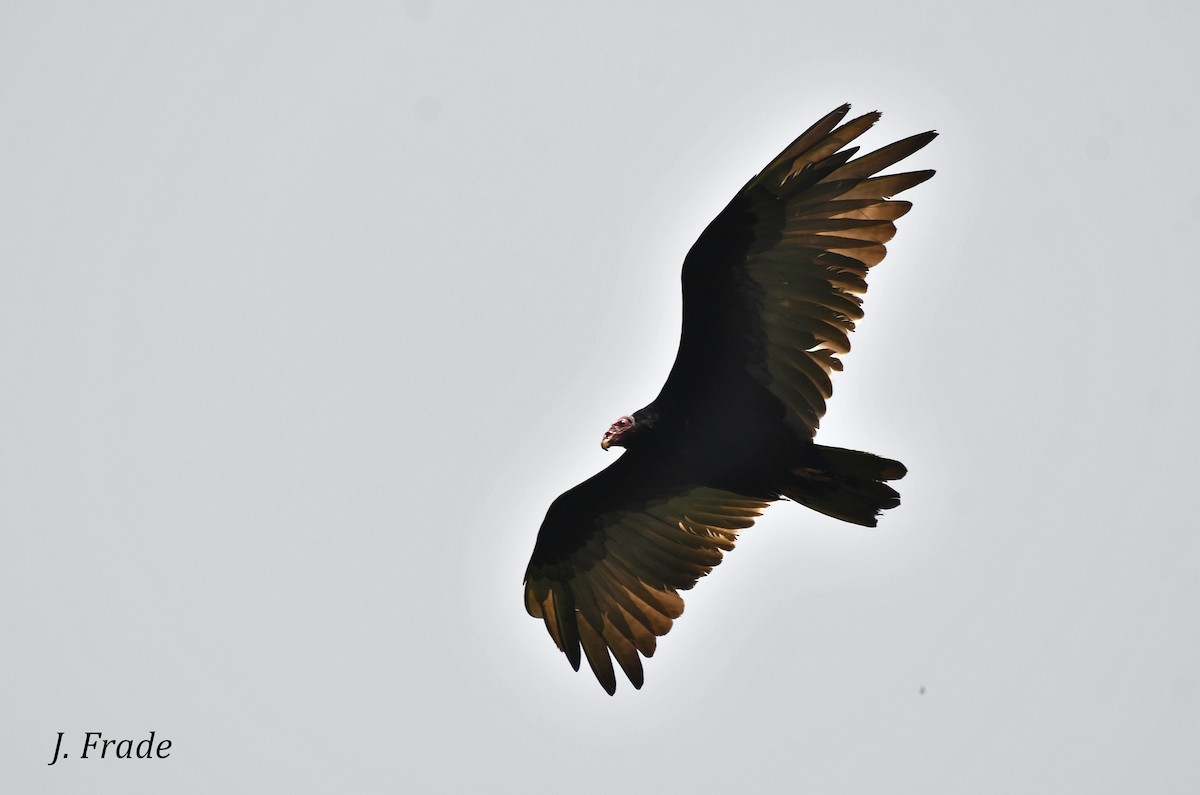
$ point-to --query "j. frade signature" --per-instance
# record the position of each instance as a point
(96, 747)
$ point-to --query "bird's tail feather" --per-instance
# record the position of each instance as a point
(846, 484)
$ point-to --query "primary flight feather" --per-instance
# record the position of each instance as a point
(770, 294)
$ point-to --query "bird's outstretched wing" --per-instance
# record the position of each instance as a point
(771, 288)
(614, 552)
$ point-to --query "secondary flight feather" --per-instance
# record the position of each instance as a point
(771, 291)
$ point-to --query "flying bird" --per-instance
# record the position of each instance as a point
(770, 294)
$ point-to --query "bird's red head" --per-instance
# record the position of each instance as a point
(616, 431)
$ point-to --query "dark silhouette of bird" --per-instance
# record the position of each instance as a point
(770, 294)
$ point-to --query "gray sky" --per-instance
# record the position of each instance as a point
(308, 311)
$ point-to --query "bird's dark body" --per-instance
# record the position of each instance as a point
(769, 296)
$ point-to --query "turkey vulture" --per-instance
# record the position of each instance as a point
(770, 292)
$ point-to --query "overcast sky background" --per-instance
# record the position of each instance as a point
(308, 311)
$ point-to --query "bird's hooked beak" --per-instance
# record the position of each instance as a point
(605, 442)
